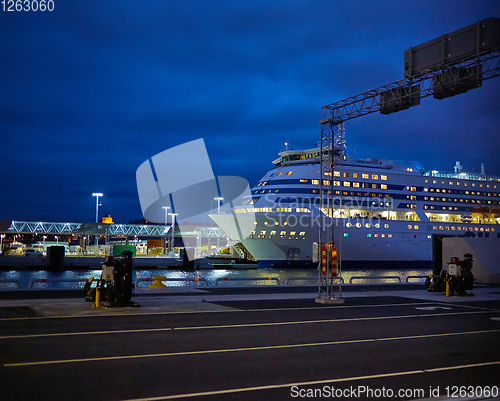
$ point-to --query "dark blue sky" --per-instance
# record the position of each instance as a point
(93, 89)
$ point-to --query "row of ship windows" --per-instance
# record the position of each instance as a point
(335, 174)
(432, 198)
(432, 207)
(465, 184)
(416, 227)
(382, 177)
(270, 210)
(301, 234)
(384, 186)
(451, 191)
(459, 228)
(282, 233)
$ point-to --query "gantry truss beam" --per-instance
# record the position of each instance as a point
(461, 74)
(140, 230)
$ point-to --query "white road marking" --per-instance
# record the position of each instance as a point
(312, 383)
(230, 326)
(270, 347)
(432, 307)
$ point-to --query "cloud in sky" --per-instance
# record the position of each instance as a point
(91, 90)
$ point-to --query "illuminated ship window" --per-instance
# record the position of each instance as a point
(347, 184)
(368, 235)
(389, 235)
(252, 232)
(440, 227)
(358, 225)
(280, 173)
(289, 172)
(386, 225)
(450, 183)
(376, 235)
(355, 175)
(355, 184)
(374, 186)
(413, 189)
(434, 227)
(413, 197)
(409, 226)
(346, 175)
(315, 182)
(326, 182)
(283, 233)
(336, 173)
(415, 227)
(426, 181)
(383, 177)
(374, 177)
(302, 233)
(383, 235)
(383, 186)
(434, 181)
(348, 225)
(272, 233)
(367, 225)
(263, 232)
(429, 236)
(476, 229)
(365, 176)
(346, 234)
(292, 233)
(303, 180)
(377, 225)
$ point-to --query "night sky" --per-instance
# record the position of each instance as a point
(92, 89)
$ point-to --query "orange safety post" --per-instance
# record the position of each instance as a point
(323, 260)
(334, 262)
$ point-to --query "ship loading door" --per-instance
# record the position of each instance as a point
(293, 254)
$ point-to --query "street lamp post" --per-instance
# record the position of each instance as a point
(173, 229)
(97, 204)
(166, 216)
(1, 246)
(219, 200)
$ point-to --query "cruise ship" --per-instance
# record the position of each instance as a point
(384, 213)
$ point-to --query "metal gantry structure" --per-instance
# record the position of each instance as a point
(140, 230)
(451, 70)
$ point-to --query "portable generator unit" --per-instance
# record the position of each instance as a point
(115, 287)
(456, 277)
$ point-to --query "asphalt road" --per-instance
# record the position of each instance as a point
(369, 348)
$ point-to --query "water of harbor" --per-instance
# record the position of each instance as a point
(32, 279)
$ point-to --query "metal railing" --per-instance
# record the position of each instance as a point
(247, 279)
(152, 280)
(60, 280)
(373, 278)
(409, 277)
(12, 282)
